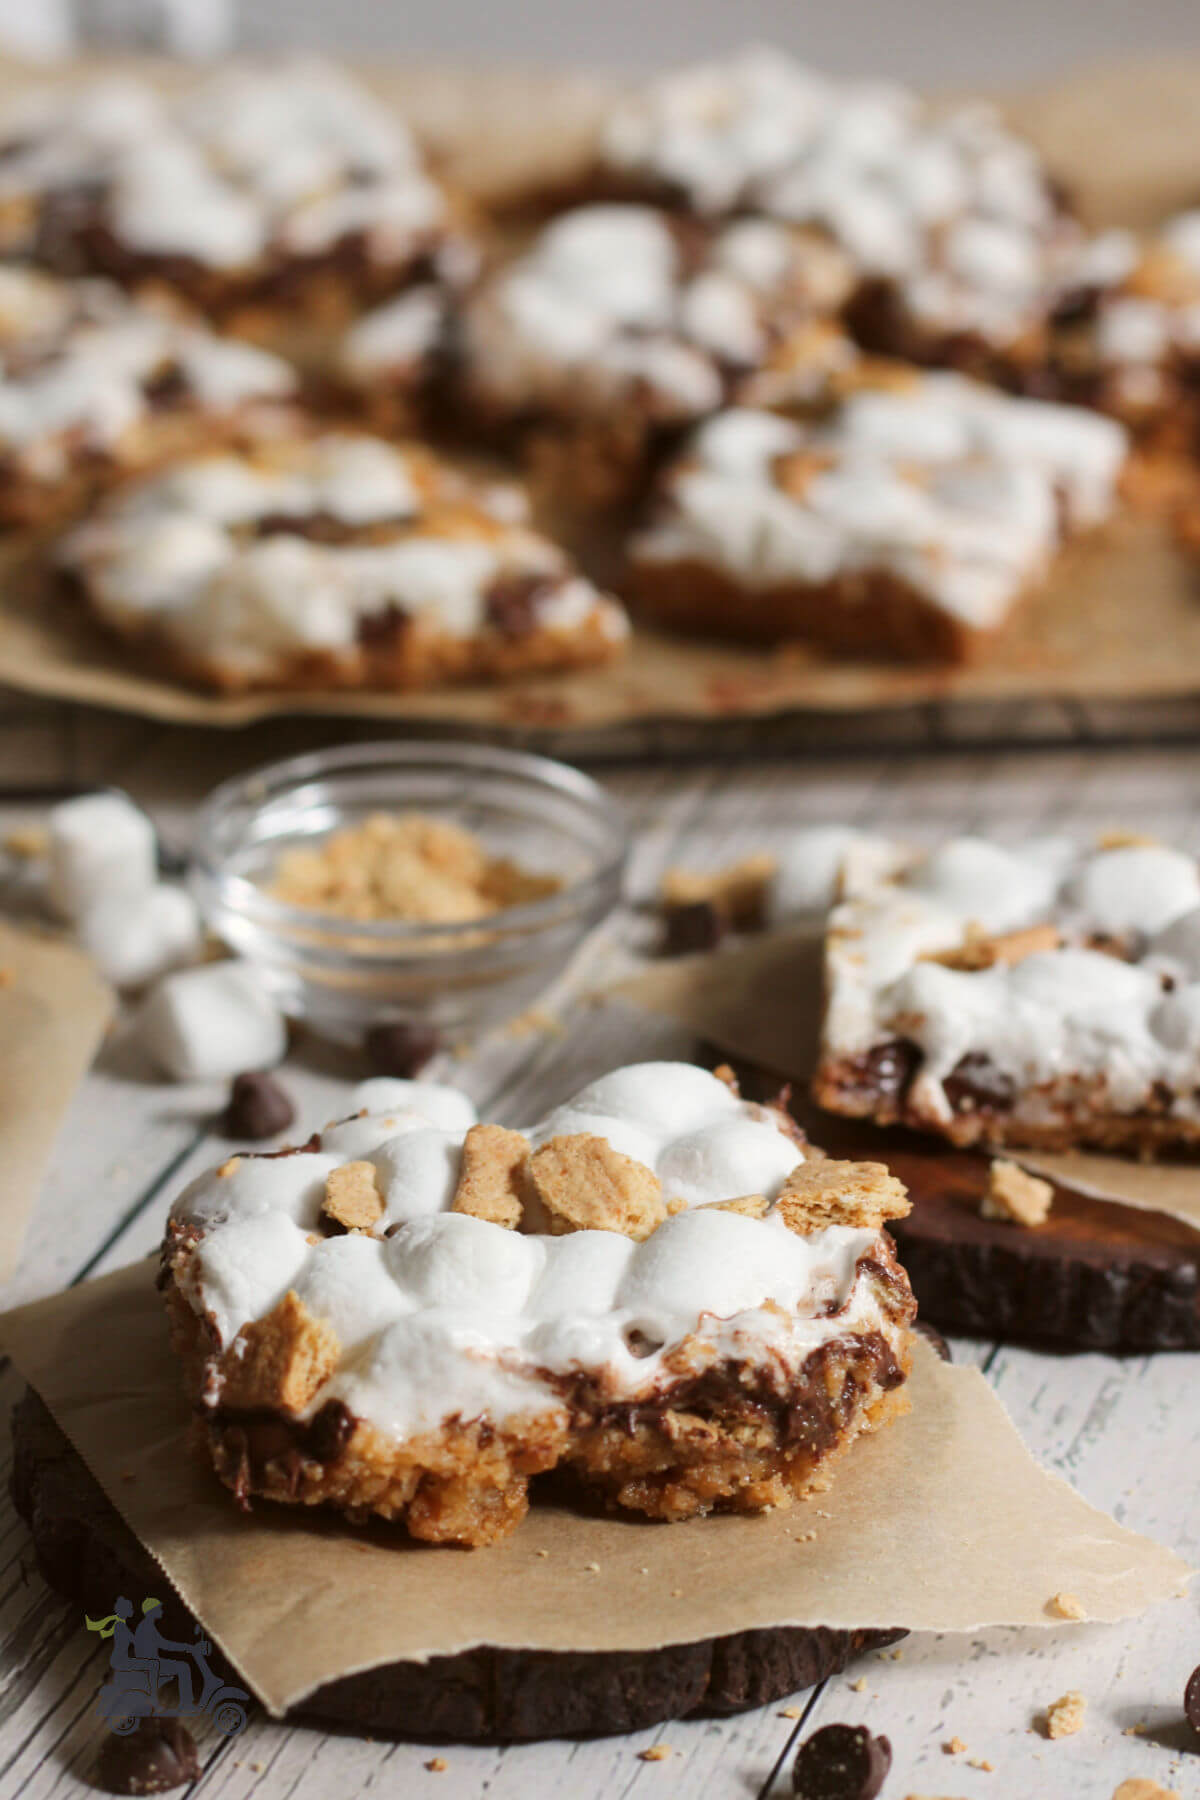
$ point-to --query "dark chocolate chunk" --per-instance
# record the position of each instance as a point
(512, 603)
(257, 1108)
(889, 1068)
(400, 1049)
(841, 1762)
(694, 926)
(378, 631)
(933, 1336)
(975, 1084)
(1191, 1700)
(158, 1755)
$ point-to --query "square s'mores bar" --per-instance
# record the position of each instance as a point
(904, 522)
(264, 193)
(619, 325)
(1045, 996)
(659, 1290)
(1127, 332)
(95, 384)
(955, 231)
(333, 561)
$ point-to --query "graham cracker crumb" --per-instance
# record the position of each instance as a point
(229, 1167)
(592, 1568)
(437, 1765)
(655, 1753)
(27, 841)
(980, 1762)
(352, 1197)
(534, 1022)
(738, 892)
(7, 975)
(1136, 1730)
(1066, 1716)
(1126, 840)
(675, 1206)
(1012, 1193)
(541, 1553)
(1066, 1606)
(1140, 1787)
(405, 866)
(955, 1747)
(586, 1185)
(754, 1206)
(724, 1072)
(983, 950)
(829, 1192)
(491, 1175)
(791, 1712)
(279, 1361)
(860, 1686)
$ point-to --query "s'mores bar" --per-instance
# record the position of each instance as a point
(1045, 996)
(1127, 332)
(264, 192)
(905, 523)
(619, 325)
(94, 384)
(333, 561)
(659, 1290)
(956, 234)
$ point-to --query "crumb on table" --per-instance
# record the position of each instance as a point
(1065, 1717)
(1014, 1194)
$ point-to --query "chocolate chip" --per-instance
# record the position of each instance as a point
(380, 630)
(257, 1107)
(889, 1068)
(512, 603)
(841, 1762)
(1191, 1700)
(158, 1755)
(692, 926)
(933, 1336)
(975, 1084)
(400, 1049)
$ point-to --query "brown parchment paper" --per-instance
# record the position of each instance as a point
(762, 1001)
(1119, 620)
(940, 1522)
(53, 1012)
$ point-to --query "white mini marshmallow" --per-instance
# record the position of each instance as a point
(134, 938)
(202, 1024)
(100, 844)
(446, 1107)
(805, 880)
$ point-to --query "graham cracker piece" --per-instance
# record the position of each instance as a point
(829, 1192)
(586, 1185)
(279, 1361)
(1014, 1194)
(352, 1196)
(1065, 1717)
(1140, 1787)
(754, 1206)
(738, 892)
(1066, 1606)
(491, 1179)
(983, 950)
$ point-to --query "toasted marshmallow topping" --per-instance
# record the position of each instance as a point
(440, 1314)
(79, 364)
(953, 210)
(220, 554)
(612, 301)
(253, 162)
(1111, 994)
(947, 485)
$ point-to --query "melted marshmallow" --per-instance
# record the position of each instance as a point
(176, 553)
(447, 1315)
(1071, 1015)
(951, 487)
(607, 306)
(953, 210)
(78, 363)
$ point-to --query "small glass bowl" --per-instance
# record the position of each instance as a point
(346, 976)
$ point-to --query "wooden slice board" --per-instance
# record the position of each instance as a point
(88, 1553)
(1095, 1276)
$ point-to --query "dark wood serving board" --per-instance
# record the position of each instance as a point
(1095, 1276)
(88, 1553)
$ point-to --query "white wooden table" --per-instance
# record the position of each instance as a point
(1126, 1433)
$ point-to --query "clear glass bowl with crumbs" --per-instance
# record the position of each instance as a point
(438, 885)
